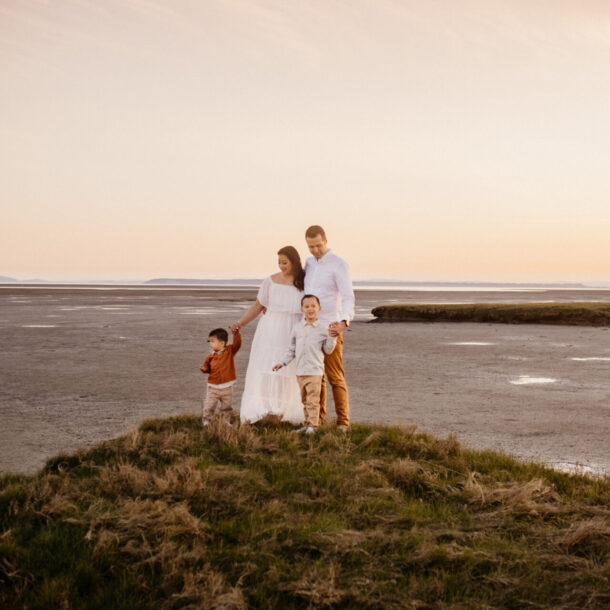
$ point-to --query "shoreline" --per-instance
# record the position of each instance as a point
(82, 366)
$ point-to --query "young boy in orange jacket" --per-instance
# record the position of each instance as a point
(220, 366)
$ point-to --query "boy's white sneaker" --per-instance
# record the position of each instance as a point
(305, 430)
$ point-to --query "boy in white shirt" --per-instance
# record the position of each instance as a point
(309, 341)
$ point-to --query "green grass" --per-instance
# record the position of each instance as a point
(584, 314)
(174, 516)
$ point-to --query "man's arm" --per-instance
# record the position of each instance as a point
(343, 281)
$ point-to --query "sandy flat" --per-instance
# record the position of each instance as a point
(80, 366)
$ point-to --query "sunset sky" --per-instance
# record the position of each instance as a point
(438, 140)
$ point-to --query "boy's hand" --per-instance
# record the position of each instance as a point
(332, 330)
(338, 327)
(277, 367)
(235, 328)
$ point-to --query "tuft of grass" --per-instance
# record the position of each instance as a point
(581, 314)
(177, 516)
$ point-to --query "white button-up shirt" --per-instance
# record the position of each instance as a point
(330, 280)
(307, 340)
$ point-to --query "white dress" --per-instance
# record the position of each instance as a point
(266, 392)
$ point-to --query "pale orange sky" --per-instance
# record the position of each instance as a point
(434, 140)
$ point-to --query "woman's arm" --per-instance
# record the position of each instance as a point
(253, 311)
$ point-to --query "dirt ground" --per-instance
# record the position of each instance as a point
(81, 365)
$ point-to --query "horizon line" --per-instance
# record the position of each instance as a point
(6, 280)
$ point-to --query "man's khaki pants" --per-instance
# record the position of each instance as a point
(310, 396)
(213, 396)
(335, 375)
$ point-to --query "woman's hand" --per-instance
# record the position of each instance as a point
(235, 327)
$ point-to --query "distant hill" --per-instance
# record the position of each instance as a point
(166, 280)
(391, 283)
(6, 280)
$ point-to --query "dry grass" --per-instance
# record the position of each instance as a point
(581, 314)
(174, 516)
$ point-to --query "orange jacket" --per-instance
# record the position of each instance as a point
(220, 365)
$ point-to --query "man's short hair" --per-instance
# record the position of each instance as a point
(310, 296)
(314, 231)
(220, 333)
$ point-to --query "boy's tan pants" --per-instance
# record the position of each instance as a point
(215, 395)
(310, 397)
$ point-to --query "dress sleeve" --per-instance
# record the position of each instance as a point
(263, 292)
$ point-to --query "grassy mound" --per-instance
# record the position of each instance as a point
(174, 516)
(583, 314)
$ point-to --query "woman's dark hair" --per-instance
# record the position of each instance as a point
(290, 252)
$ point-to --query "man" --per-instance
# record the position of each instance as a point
(327, 276)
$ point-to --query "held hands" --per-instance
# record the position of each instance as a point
(336, 328)
(235, 327)
(277, 367)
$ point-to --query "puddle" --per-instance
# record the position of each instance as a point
(203, 311)
(578, 468)
(39, 326)
(527, 380)
(602, 358)
(471, 343)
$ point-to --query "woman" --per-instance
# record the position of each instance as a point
(279, 296)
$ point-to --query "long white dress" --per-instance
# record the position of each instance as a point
(266, 392)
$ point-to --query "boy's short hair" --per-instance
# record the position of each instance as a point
(314, 231)
(310, 296)
(220, 333)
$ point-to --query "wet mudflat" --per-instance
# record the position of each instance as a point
(81, 365)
